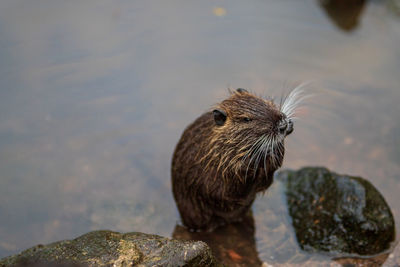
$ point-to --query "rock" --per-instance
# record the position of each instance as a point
(338, 214)
(345, 14)
(394, 5)
(106, 248)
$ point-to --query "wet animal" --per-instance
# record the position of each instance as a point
(228, 155)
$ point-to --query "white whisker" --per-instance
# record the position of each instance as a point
(251, 152)
(272, 151)
(252, 148)
(293, 101)
(268, 143)
(258, 156)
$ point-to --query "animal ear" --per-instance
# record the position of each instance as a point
(241, 90)
(219, 117)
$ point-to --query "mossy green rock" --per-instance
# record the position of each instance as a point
(106, 248)
(337, 213)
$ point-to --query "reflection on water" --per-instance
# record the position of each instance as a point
(233, 244)
(94, 97)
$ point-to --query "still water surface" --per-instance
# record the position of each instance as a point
(94, 97)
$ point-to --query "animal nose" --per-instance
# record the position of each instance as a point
(285, 127)
(282, 127)
(289, 129)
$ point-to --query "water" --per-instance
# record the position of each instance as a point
(94, 97)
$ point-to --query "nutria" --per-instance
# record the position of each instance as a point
(228, 155)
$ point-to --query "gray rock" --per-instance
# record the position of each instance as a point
(106, 248)
(337, 213)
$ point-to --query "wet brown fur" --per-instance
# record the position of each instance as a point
(213, 180)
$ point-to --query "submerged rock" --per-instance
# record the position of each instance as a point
(336, 213)
(106, 248)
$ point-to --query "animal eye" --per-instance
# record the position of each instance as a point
(246, 119)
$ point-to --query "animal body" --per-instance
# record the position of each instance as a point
(228, 155)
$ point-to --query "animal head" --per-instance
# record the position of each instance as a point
(249, 131)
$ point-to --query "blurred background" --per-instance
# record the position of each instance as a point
(95, 95)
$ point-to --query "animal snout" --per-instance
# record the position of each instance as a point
(289, 129)
(285, 127)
